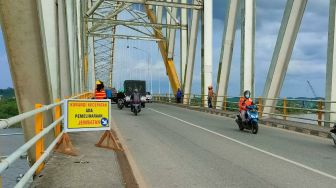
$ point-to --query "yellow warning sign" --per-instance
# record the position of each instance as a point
(87, 115)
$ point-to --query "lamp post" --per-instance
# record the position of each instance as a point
(148, 62)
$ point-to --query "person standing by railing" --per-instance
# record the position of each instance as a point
(210, 96)
(178, 95)
(100, 91)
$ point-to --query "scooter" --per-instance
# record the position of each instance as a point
(121, 103)
(333, 133)
(251, 122)
(136, 108)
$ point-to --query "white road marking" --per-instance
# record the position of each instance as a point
(251, 147)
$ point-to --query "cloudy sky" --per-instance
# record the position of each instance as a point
(308, 61)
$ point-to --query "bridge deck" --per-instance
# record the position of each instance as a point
(176, 147)
(94, 167)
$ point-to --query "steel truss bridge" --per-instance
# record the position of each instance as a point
(57, 48)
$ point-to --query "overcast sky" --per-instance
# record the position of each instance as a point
(308, 61)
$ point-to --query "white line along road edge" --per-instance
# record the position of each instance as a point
(252, 147)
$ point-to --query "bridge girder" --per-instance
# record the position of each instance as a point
(22, 36)
(104, 20)
(331, 67)
(226, 52)
(247, 46)
(282, 53)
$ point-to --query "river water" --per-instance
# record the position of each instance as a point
(9, 144)
(306, 116)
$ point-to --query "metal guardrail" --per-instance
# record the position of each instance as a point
(285, 108)
(11, 134)
(37, 140)
(6, 123)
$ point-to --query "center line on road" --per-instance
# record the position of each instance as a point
(249, 146)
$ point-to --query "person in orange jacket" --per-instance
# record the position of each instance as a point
(244, 102)
(210, 96)
(100, 91)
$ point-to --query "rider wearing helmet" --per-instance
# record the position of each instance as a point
(244, 102)
(121, 94)
(135, 97)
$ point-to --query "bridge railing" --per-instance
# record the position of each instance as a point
(301, 110)
(37, 140)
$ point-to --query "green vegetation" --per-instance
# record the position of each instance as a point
(8, 105)
(7, 93)
(8, 108)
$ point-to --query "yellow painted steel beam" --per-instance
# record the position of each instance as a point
(169, 63)
(86, 68)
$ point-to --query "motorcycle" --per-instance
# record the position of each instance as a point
(251, 122)
(333, 133)
(121, 103)
(136, 108)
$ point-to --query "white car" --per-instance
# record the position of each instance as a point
(149, 97)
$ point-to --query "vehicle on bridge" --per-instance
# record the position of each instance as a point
(130, 86)
(136, 108)
(121, 103)
(111, 93)
(251, 122)
(149, 97)
(333, 133)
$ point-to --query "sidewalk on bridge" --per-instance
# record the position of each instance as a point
(305, 128)
(93, 167)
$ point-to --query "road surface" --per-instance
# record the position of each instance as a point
(175, 147)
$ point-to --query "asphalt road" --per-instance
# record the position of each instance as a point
(175, 147)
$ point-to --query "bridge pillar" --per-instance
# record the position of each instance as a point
(172, 32)
(206, 63)
(91, 57)
(22, 35)
(191, 55)
(49, 27)
(64, 59)
(226, 52)
(331, 66)
(247, 46)
(81, 45)
(73, 45)
(283, 50)
(183, 43)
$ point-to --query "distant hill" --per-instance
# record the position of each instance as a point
(7, 93)
(307, 98)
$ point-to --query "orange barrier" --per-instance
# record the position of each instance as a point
(39, 145)
(57, 116)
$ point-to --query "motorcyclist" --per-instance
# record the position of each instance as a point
(121, 94)
(333, 133)
(333, 130)
(244, 102)
(135, 98)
